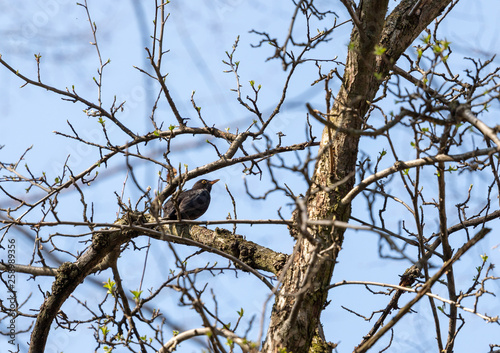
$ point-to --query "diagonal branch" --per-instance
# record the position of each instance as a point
(465, 113)
(73, 97)
(219, 164)
(425, 289)
(355, 19)
(172, 343)
(105, 248)
(400, 165)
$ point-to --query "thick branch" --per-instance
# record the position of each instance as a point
(106, 243)
(171, 345)
(69, 276)
(295, 315)
(309, 274)
(32, 270)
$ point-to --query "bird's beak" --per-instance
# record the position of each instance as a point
(214, 181)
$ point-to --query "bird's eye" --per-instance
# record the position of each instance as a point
(204, 181)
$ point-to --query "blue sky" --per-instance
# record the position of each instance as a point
(198, 34)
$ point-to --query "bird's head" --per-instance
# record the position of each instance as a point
(205, 184)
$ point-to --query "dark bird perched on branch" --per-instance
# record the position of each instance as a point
(192, 203)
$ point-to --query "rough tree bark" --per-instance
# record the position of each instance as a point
(298, 305)
(105, 249)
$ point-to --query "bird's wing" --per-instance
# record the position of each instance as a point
(192, 204)
(169, 211)
(194, 199)
(195, 204)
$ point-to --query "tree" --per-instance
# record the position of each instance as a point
(394, 54)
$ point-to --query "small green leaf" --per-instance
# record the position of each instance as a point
(136, 294)
(379, 50)
(437, 49)
(171, 127)
(484, 257)
(104, 330)
(426, 39)
(110, 286)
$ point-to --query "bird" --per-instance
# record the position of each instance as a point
(192, 203)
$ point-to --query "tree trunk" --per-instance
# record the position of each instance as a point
(298, 305)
